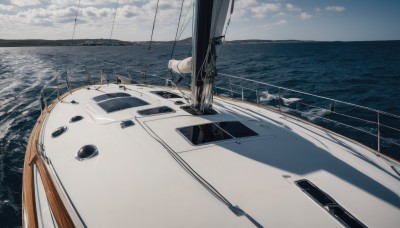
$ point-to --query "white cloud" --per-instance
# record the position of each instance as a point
(335, 8)
(23, 3)
(129, 11)
(281, 22)
(317, 9)
(270, 25)
(292, 8)
(44, 16)
(7, 7)
(245, 4)
(305, 16)
(280, 14)
(263, 9)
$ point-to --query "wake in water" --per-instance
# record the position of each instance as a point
(22, 75)
(312, 115)
(266, 97)
(315, 114)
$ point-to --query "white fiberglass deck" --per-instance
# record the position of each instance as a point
(135, 182)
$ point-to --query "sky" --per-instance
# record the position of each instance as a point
(322, 20)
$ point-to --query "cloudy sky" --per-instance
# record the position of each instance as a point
(252, 19)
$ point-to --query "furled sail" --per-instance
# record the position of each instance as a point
(181, 66)
(209, 22)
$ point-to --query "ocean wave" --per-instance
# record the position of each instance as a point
(266, 97)
(315, 114)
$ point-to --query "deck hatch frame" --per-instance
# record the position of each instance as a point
(159, 110)
(216, 131)
(118, 104)
(166, 94)
(329, 204)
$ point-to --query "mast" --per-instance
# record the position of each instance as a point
(209, 21)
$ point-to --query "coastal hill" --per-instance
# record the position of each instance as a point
(107, 42)
(80, 42)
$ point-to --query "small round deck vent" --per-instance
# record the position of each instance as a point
(86, 152)
(74, 102)
(59, 131)
(75, 119)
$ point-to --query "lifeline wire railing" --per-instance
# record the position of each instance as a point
(322, 111)
(380, 129)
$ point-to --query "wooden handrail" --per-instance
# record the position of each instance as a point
(32, 159)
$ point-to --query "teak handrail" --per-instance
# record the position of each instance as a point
(33, 158)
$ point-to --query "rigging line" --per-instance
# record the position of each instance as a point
(151, 39)
(76, 18)
(185, 23)
(73, 34)
(173, 47)
(208, 186)
(177, 30)
(182, 30)
(112, 27)
(187, 12)
(186, 166)
(102, 70)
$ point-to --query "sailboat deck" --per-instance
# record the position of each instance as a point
(134, 180)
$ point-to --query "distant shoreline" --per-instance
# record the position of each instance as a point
(104, 42)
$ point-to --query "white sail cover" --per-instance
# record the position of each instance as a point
(181, 66)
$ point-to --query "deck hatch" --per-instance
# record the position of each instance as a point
(200, 134)
(118, 104)
(156, 110)
(205, 133)
(166, 95)
(236, 129)
(329, 204)
(107, 96)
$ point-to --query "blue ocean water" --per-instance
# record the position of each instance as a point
(364, 73)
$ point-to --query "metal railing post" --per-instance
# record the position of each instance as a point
(279, 101)
(43, 102)
(230, 86)
(58, 92)
(242, 94)
(379, 133)
(258, 103)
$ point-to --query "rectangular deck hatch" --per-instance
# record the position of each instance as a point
(205, 133)
(236, 129)
(329, 204)
(107, 96)
(118, 104)
(211, 132)
(156, 111)
(166, 95)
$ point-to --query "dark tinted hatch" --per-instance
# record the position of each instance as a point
(156, 110)
(166, 94)
(205, 133)
(211, 132)
(117, 104)
(109, 96)
(329, 204)
(236, 129)
(315, 193)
